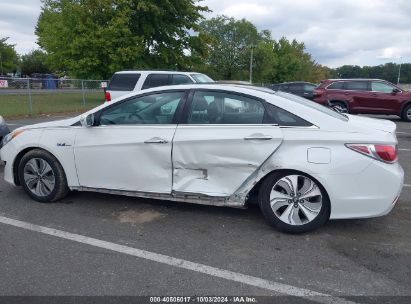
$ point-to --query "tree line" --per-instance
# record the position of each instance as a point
(92, 39)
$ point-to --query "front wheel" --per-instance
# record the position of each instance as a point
(294, 202)
(42, 176)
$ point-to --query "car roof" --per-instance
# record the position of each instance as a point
(154, 72)
(296, 82)
(354, 79)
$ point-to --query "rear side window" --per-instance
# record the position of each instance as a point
(123, 82)
(225, 108)
(156, 80)
(285, 118)
(356, 85)
(180, 79)
(378, 86)
(336, 86)
(295, 87)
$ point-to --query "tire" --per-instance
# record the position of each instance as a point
(406, 113)
(339, 107)
(280, 211)
(42, 176)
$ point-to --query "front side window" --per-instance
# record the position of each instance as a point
(356, 86)
(382, 87)
(149, 109)
(201, 78)
(225, 108)
(156, 80)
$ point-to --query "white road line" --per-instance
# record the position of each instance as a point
(180, 263)
(407, 185)
(404, 149)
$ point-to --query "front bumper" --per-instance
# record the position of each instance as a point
(4, 130)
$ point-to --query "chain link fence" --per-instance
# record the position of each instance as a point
(35, 96)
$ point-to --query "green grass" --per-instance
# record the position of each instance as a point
(50, 103)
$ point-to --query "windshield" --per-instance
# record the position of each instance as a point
(312, 105)
(201, 78)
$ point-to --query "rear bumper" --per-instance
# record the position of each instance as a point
(372, 193)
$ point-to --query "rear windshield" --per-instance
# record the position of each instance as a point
(201, 78)
(313, 105)
(123, 82)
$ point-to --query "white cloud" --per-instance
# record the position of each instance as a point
(335, 32)
(363, 32)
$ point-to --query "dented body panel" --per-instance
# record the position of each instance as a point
(216, 160)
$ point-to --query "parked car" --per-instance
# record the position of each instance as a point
(4, 130)
(366, 96)
(217, 145)
(125, 82)
(299, 88)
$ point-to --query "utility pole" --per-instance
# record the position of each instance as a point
(399, 71)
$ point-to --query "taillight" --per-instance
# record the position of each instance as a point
(108, 96)
(385, 153)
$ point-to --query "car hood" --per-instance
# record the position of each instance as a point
(52, 124)
(361, 122)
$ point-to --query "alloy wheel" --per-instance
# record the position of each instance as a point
(339, 108)
(296, 199)
(39, 177)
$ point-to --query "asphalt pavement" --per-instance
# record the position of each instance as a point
(93, 244)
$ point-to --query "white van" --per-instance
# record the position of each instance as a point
(125, 82)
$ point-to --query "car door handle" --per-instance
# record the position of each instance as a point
(258, 137)
(156, 140)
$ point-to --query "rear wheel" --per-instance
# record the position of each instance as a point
(339, 107)
(294, 202)
(42, 176)
(406, 113)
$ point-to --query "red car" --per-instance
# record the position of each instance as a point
(367, 96)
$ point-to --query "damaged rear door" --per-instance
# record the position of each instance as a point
(224, 138)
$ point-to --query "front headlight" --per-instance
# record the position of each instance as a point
(9, 137)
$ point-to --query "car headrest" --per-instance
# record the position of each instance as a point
(200, 103)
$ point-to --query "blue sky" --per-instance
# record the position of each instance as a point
(362, 32)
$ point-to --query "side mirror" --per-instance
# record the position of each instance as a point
(395, 91)
(87, 121)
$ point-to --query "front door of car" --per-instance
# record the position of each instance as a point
(223, 141)
(383, 99)
(129, 148)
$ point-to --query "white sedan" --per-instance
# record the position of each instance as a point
(217, 145)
